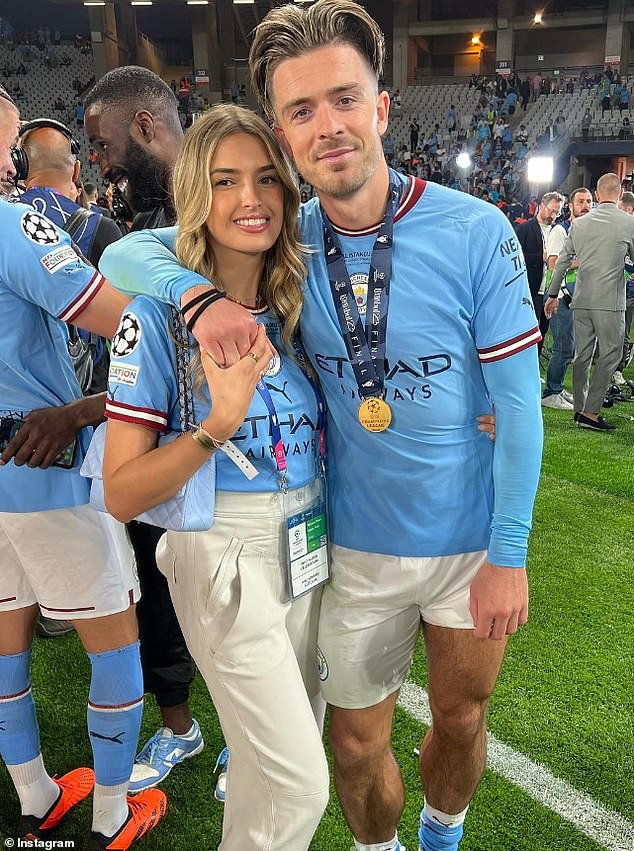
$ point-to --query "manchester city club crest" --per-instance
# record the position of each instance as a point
(322, 665)
(360, 289)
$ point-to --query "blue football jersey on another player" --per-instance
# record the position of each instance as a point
(43, 285)
(143, 389)
(458, 300)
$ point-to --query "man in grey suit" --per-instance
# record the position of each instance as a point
(600, 240)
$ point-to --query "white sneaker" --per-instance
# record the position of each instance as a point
(556, 400)
(567, 396)
(617, 378)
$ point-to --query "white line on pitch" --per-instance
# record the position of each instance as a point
(598, 823)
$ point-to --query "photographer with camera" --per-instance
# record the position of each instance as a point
(561, 322)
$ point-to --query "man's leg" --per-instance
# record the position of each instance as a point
(562, 329)
(19, 734)
(585, 341)
(610, 330)
(168, 669)
(462, 674)
(369, 784)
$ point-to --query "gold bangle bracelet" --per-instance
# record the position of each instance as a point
(204, 439)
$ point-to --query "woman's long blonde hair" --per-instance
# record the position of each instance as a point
(284, 270)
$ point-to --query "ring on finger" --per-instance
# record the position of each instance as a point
(253, 355)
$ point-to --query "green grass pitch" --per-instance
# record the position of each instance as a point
(565, 697)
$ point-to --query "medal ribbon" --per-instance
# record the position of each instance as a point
(365, 343)
(276, 433)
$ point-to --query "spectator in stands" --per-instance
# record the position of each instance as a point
(511, 101)
(561, 322)
(132, 123)
(79, 114)
(532, 236)
(600, 240)
(586, 121)
(624, 97)
(452, 119)
(414, 130)
(536, 86)
(626, 129)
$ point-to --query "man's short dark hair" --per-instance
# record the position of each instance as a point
(578, 190)
(90, 188)
(131, 88)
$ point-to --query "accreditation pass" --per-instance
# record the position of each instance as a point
(307, 549)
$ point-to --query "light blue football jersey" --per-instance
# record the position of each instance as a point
(143, 389)
(461, 333)
(459, 300)
(43, 284)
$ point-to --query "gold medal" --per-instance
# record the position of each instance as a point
(375, 414)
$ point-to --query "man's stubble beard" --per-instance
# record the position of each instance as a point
(348, 185)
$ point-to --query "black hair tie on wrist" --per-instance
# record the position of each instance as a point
(211, 298)
(197, 299)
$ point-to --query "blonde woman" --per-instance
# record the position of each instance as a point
(232, 589)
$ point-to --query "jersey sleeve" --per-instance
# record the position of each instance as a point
(503, 320)
(141, 379)
(514, 388)
(42, 266)
(144, 263)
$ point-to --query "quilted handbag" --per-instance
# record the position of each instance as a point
(191, 509)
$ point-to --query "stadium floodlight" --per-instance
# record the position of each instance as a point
(463, 160)
(141, 2)
(197, 2)
(94, 2)
(540, 169)
(244, 2)
(538, 18)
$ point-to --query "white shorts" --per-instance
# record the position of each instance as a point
(371, 616)
(75, 562)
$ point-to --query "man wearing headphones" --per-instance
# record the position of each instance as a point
(48, 163)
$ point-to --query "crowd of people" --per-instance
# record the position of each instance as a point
(251, 363)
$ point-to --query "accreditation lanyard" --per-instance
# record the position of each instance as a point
(276, 433)
(365, 342)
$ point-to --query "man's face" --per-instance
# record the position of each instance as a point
(140, 176)
(9, 127)
(581, 204)
(330, 117)
(549, 212)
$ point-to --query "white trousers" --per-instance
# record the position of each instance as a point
(228, 590)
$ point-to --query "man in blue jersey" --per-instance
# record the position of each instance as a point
(54, 550)
(429, 520)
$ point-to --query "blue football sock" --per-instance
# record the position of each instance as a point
(115, 709)
(19, 733)
(433, 835)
